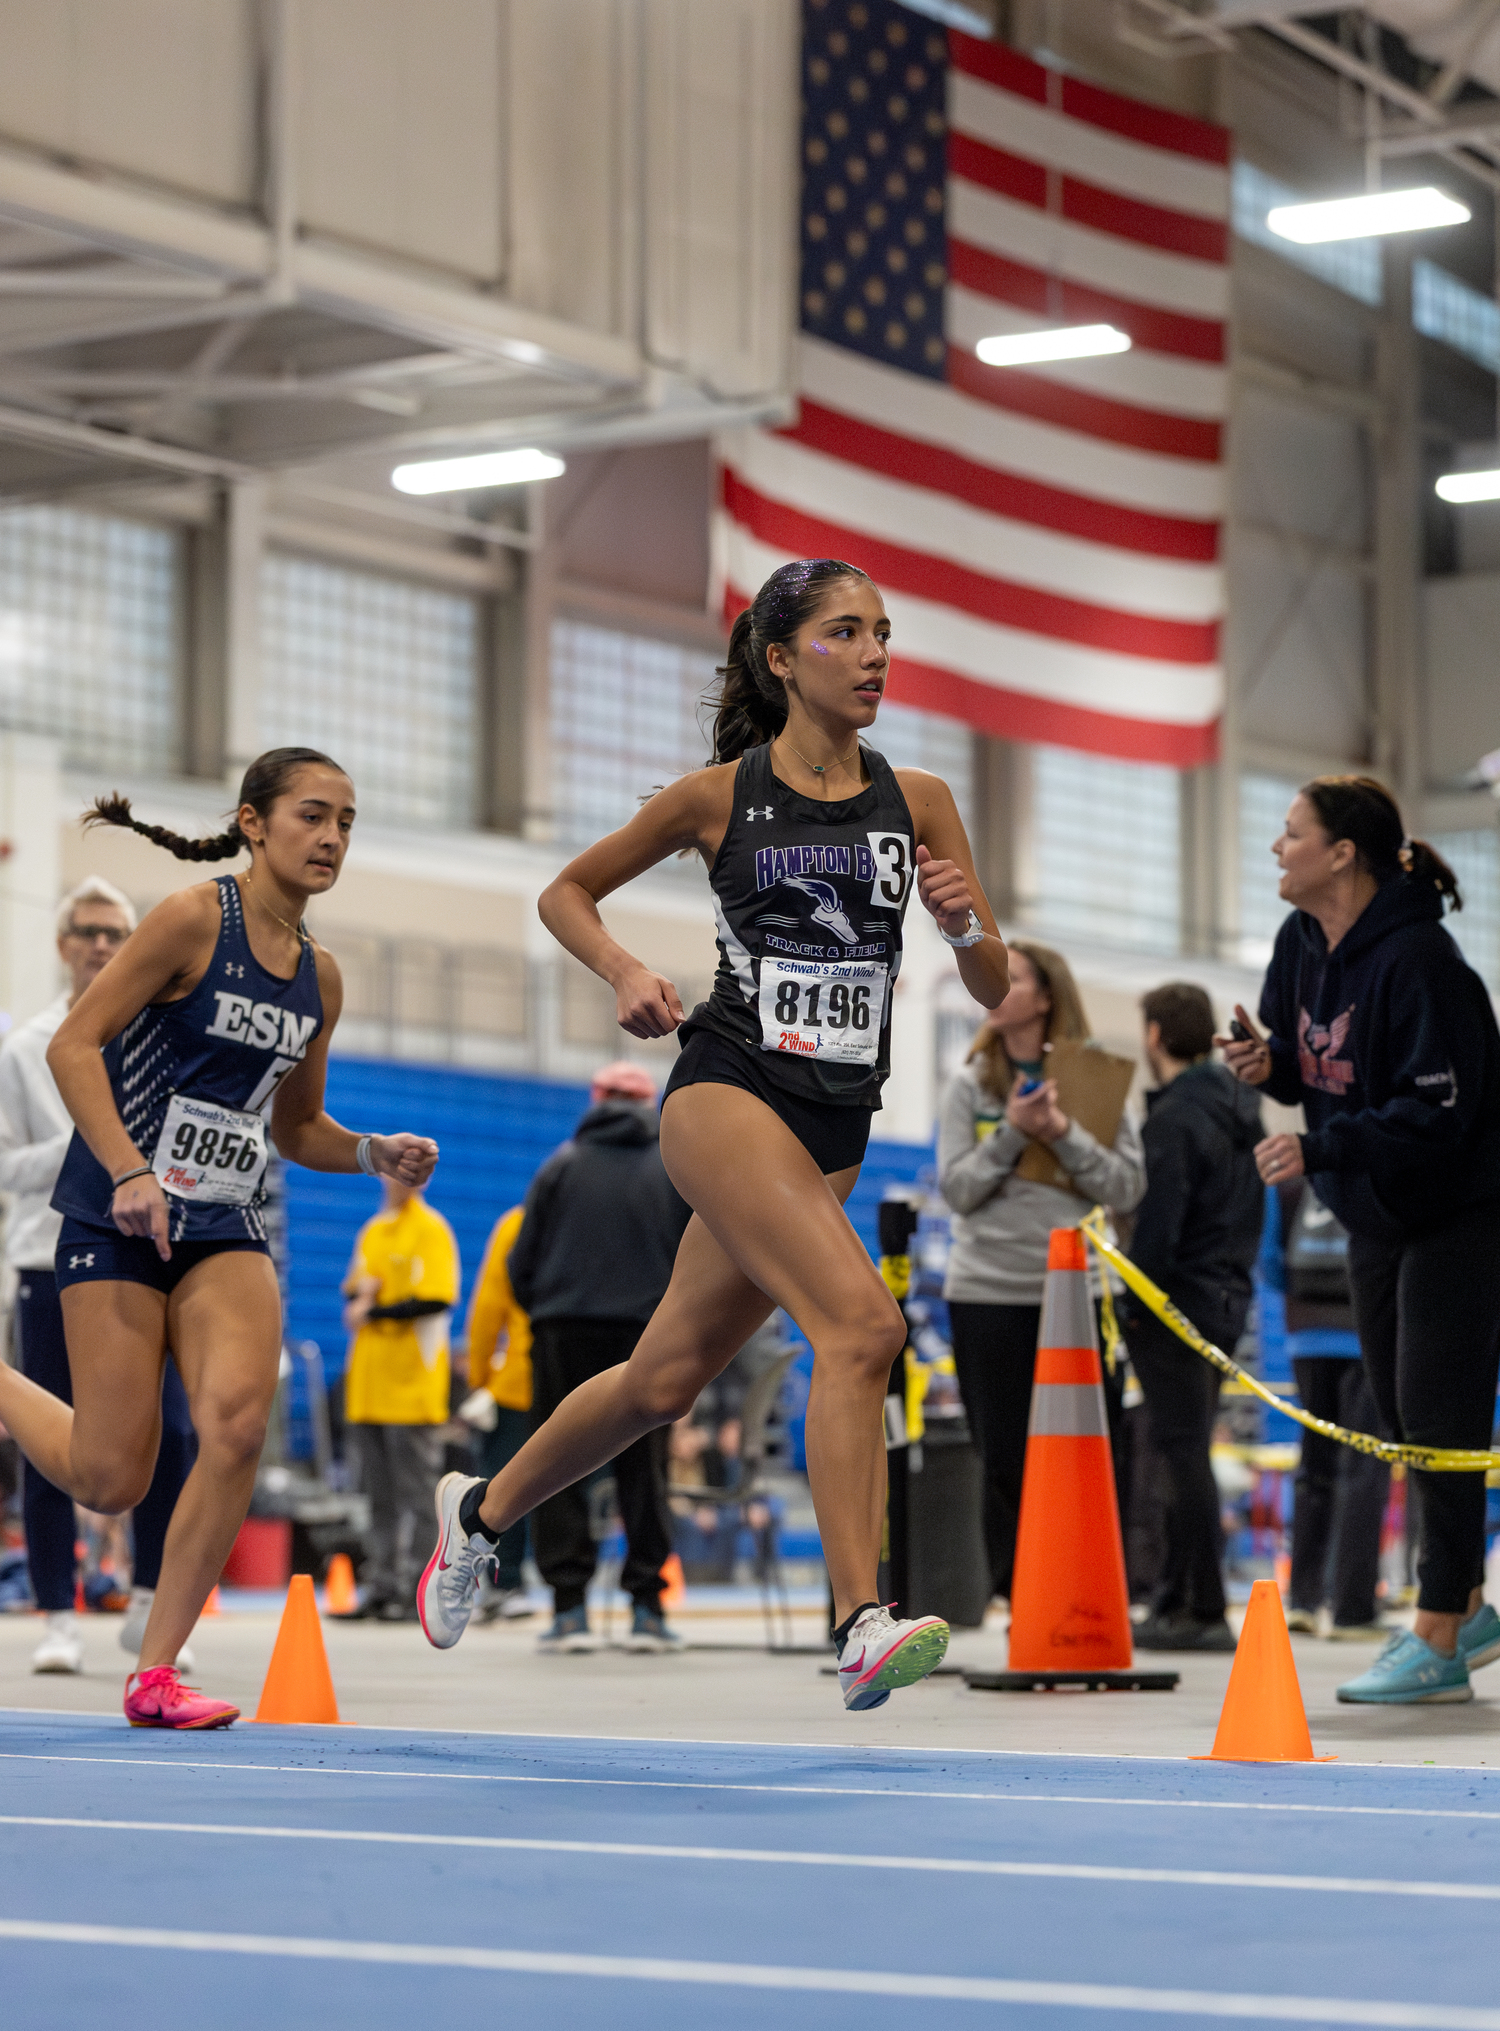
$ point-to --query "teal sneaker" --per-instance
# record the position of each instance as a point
(1409, 1672)
(1479, 1637)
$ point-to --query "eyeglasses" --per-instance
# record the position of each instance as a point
(89, 934)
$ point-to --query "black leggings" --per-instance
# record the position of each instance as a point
(994, 1351)
(1428, 1313)
(1340, 1495)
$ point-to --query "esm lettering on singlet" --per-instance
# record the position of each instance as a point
(264, 1027)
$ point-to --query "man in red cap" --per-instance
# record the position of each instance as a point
(590, 1265)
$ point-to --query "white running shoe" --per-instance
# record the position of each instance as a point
(447, 1590)
(61, 1649)
(881, 1653)
(133, 1629)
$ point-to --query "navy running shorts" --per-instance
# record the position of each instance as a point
(87, 1254)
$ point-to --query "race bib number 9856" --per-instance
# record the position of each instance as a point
(830, 1009)
(213, 1156)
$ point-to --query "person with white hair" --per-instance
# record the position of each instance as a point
(93, 922)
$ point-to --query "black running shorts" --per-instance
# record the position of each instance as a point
(833, 1136)
(87, 1254)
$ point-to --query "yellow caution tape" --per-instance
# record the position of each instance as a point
(1433, 1459)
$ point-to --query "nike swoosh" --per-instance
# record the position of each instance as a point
(854, 1663)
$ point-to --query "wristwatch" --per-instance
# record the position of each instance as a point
(972, 935)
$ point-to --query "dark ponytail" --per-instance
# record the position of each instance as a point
(750, 705)
(1359, 809)
(268, 777)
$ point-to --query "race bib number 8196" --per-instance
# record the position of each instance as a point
(830, 1009)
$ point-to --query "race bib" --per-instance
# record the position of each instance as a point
(213, 1156)
(823, 1008)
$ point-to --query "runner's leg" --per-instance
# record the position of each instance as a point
(102, 1449)
(225, 1324)
(768, 1229)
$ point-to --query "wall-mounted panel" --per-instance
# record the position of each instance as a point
(1296, 644)
(1300, 468)
(160, 89)
(400, 128)
(1463, 673)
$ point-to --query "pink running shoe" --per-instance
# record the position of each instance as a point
(159, 1699)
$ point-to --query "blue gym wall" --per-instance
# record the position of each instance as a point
(494, 1131)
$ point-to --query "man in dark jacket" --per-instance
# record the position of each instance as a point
(1196, 1235)
(590, 1265)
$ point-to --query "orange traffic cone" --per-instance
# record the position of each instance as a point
(1263, 1720)
(673, 1585)
(213, 1605)
(340, 1596)
(299, 1685)
(1070, 1608)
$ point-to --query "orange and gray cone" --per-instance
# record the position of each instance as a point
(1070, 1608)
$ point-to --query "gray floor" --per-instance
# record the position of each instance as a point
(388, 1677)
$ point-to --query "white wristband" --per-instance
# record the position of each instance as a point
(972, 934)
(362, 1156)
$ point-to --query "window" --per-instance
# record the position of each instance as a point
(911, 739)
(381, 674)
(1350, 265)
(1475, 859)
(1263, 807)
(1106, 846)
(626, 716)
(89, 635)
(1444, 308)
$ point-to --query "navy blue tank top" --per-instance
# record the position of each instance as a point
(194, 1079)
(808, 900)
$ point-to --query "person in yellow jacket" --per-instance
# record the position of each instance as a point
(402, 1286)
(499, 1410)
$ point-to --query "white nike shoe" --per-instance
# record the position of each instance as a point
(133, 1628)
(60, 1650)
(881, 1653)
(448, 1589)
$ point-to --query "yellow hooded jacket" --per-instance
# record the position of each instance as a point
(499, 1331)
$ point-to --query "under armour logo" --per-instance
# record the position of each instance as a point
(84, 1261)
(752, 813)
(235, 972)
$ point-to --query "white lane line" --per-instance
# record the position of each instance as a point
(740, 1975)
(1089, 1872)
(229, 1769)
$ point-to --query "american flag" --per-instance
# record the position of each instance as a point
(1046, 538)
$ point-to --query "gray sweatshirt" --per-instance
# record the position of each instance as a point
(999, 1253)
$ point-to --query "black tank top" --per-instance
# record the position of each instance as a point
(808, 900)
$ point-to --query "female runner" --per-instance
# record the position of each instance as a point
(218, 1007)
(812, 843)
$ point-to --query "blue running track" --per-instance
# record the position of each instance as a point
(310, 1879)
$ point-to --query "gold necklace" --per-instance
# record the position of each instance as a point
(822, 768)
(295, 929)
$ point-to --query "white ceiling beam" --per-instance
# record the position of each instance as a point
(104, 283)
(149, 226)
(29, 428)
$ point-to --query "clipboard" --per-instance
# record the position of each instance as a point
(1092, 1085)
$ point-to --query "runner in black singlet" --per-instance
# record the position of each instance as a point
(217, 1012)
(814, 846)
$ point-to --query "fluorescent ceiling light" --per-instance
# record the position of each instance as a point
(1073, 342)
(1469, 486)
(1361, 218)
(485, 469)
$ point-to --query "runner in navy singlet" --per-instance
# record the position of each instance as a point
(216, 1015)
(814, 846)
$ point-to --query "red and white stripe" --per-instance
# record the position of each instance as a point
(1046, 539)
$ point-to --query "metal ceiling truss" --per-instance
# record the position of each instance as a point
(1424, 126)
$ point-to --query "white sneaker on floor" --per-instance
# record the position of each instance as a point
(447, 1590)
(61, 1649)
(881, 1653)
(515, 1605)
(133, 1628)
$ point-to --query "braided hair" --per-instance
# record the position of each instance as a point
(268, 777)
(750, 705)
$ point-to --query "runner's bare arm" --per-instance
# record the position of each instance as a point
(161, 961)
(949, 887)
(303, 1130)
(690, 813)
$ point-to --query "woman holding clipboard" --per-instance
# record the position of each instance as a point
(1033, 1132)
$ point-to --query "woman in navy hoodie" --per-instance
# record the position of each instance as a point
(1388, 1040)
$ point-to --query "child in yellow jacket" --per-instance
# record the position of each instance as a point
(499, 1410)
